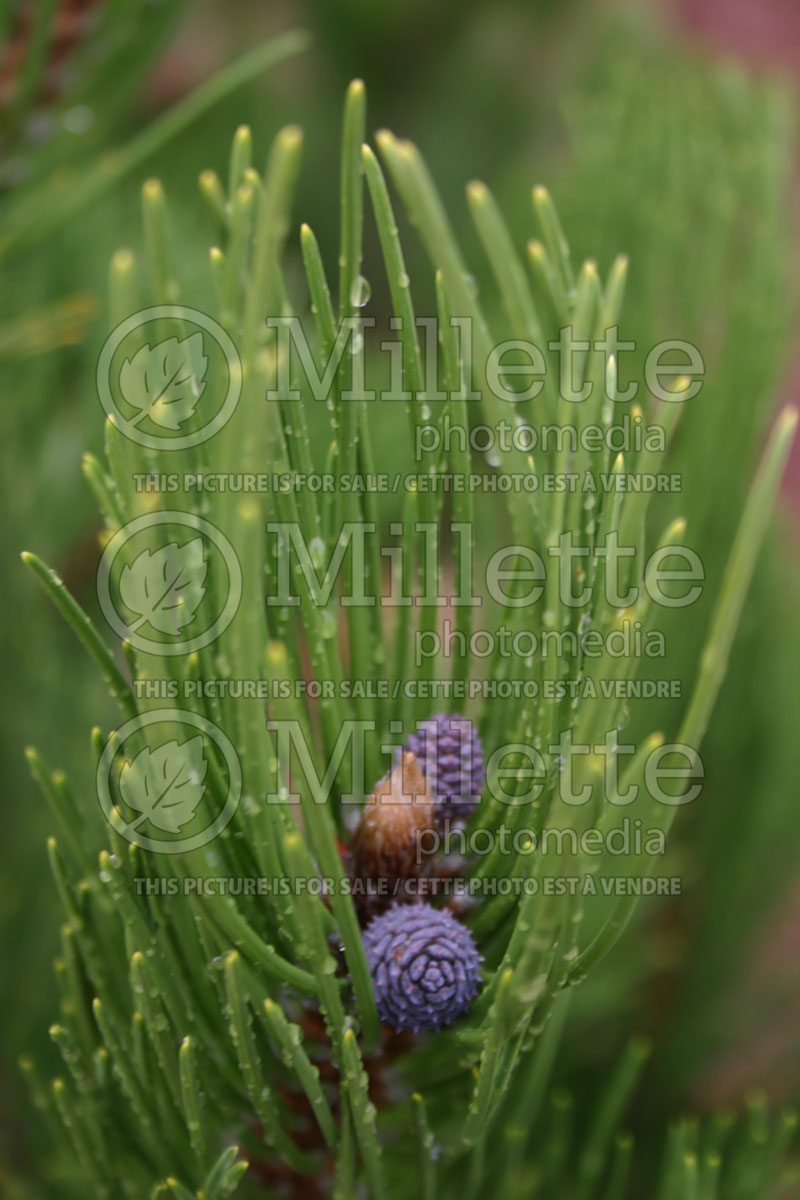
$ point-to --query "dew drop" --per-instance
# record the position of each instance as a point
(78, 119)
(360, 292)
(327, 623)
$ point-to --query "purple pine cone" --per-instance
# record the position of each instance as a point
(451, 755)
(424, 964)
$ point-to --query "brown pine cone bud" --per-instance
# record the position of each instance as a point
(389, 846)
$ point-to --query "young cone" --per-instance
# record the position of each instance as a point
(388, 844)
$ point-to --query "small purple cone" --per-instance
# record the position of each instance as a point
(424, 964)
(451, 755)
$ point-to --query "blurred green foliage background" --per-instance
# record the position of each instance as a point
(650, 148)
